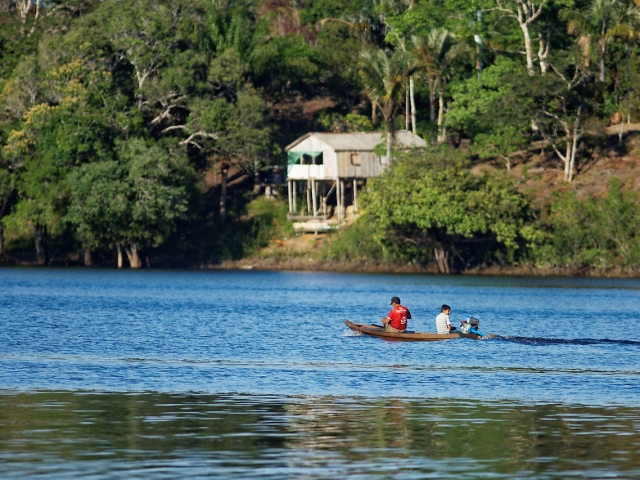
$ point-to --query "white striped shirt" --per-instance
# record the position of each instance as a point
(443, 323)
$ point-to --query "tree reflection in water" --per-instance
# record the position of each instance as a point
(233, 435)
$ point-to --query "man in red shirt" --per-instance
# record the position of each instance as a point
(396, 321)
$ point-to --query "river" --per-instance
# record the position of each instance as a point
(244, 374)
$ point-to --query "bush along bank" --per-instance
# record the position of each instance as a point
(430, 214)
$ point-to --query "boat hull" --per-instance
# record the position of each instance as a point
(378, 331)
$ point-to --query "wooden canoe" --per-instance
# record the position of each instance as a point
(408, 336)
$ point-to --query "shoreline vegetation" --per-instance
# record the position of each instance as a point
(152, 133)
(320, 265)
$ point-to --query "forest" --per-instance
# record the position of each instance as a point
(139, 133)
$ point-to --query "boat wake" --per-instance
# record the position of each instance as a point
(352, 333)
(564, 341)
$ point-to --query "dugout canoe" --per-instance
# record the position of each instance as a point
(408, 336)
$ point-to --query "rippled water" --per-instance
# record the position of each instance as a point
(120, 374)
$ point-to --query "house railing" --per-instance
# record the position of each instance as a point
(303, 172)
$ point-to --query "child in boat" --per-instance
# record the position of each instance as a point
(396, 321)
(443, 323)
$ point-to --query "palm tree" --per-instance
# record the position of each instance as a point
(437, 54)
(627, 28)
(384, 75)
(599, 22)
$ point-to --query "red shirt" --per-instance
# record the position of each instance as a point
(399, 316)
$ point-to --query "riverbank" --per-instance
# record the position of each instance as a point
(308, 264)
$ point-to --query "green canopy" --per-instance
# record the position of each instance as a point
(293, 158)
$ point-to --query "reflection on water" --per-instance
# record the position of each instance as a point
(64, 435)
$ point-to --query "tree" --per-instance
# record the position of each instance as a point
(601, 21)
(146, 34)
(628, 31)
(598, 232)
(98, 205)
(130, 203)
(437, 54)
(41, 184)
(431, 206)
(561, 106)
(491, 112)
(55, 135)
(384, 75)
(7, 193)
(233, 132)
(525, 12)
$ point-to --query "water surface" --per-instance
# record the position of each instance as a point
(120, 373)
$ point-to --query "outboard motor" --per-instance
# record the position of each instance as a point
(470, 325)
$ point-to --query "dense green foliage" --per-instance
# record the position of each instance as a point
(434, 204)
(601, 232)
(146, 125)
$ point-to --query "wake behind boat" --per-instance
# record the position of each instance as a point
(408, 336)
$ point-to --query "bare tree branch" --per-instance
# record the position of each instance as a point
(212, 136)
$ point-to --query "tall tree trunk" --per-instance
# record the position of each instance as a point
(223, 194)
(40, 235)
(507, 159)
(35, 19)
(602, 65)
(572, 163)
(528, 47)
(374, 114)
(441, 133)
(433, 102)
(133, 255)
(567, 157)
(88, 260)
(389, 122)
(120, 262)
(442, 260)
(620, 130)
(544, 50)
(433, 108)
(574, 144)
(413, 106)
(407, 110)
(23, 7)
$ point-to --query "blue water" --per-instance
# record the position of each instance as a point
(75, 334)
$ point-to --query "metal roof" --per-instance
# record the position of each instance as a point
(361, 141)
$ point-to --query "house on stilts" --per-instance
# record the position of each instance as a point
(325, 171)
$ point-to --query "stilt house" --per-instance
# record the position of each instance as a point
(325, 170)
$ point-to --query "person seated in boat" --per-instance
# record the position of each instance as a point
(396, 321)
(443, 323)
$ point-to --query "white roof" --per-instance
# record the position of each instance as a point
(361, 141)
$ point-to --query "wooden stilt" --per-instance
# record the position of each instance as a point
(295, 187)
(308, 197)
(290, 197)
(324, 202)
(355, 195)
(339, 200)
(314, 197)
(344, 209)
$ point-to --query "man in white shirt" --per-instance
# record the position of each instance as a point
(443, 324)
